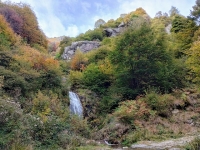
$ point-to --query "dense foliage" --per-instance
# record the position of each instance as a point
(133, 79)
(23, 22)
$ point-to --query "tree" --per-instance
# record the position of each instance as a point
(141, 61)
(30, 29)
(95, 79)
(7, 36)
(13, 18)
(173, 11)
(99, 22)
(195, 13)
(183, 30)
(134, 14)
(23, 21)
(158, 14)
(78, 61)
(193, 62)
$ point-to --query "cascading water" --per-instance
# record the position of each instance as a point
(75, 104)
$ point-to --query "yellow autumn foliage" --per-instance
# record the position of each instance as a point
(138, 12)
(6, 33)
(78, 61)
(31, 58)
(193, 61)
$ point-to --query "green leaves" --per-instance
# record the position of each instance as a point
(95, 79)
(141, 61)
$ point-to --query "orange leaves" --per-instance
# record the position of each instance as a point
(32, 58)
(140, 11)
(79, 61)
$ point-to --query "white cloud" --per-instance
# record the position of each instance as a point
(72, 31)
(86, 6)
(153, 6)
(51, 24)
(68, 22)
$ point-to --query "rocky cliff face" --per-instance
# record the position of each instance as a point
(115, 31)
(84, 46)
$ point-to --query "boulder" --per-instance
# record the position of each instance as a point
(84, 46)
(122, 24)
(113, 31)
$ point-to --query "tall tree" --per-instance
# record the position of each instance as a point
(141, 61)
(183, 31)
(195, 13)
(13, 18)
(99, 22)
(173, 11)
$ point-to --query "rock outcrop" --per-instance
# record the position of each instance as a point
(84, 46)
(115, 31)
(168, 29)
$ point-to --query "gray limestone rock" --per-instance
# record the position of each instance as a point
(113, 31)
(84, 46)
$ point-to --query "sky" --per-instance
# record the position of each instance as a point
(72, 17)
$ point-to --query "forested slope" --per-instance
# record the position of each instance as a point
(142, 84)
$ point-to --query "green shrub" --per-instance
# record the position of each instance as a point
(79, 126)
(163, 104)
(70, 141)
(76, 78)
(90, 35)
(43, 134)
(97, 55)
(134, 136)
(10, 114)
(193, 145)
(41, 105)
(132, 110)
(13, 83)
(50, 79)
(95, 79)
(40, 48)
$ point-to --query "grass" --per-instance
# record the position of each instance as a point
(194, 145)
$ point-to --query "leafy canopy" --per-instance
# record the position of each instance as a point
(141, 61)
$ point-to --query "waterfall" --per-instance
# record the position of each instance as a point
(75, 104)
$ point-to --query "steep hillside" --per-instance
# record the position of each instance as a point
(139, 81)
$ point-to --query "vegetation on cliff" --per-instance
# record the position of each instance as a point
(140, 85)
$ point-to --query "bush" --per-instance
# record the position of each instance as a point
(79, 126)
(43, 135)
(132, 110)
(10, 114)
(51, 80)
(193, 145)
(95, 80)
(163, 104)
(7, 36)
(78, 61)
(13, 83)
(91, 35)
(40, 48)
(134, 136)
(41, 106)
(97, 55)
(76, 78)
